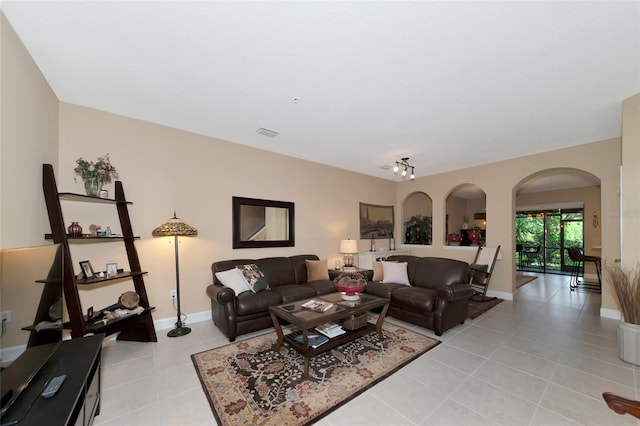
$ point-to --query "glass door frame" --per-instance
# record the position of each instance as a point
(551, 255)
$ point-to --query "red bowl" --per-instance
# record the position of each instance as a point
(350, 291)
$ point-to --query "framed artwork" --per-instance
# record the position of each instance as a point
(87, 270)
(112, 270)
(375, 221)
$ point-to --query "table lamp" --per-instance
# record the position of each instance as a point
(348, 248)
(175, 228)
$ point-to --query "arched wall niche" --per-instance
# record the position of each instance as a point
(417, 215)
(465, 209)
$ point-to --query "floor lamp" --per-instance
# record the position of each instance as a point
(175, 228)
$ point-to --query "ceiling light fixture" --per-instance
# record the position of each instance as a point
(404, 162)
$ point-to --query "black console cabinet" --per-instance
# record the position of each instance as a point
(77, 401)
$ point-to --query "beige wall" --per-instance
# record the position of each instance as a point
(456, 208)
(500, 182)
(629, 211)
(28, 138)
(164, 169)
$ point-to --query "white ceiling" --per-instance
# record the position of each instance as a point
(448, 84)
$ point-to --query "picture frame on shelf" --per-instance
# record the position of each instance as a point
(87, 270)
(112, 270)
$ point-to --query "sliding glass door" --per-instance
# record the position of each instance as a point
(543, 236)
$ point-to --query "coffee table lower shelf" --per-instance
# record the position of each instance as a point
(348, 336)
(305, 326)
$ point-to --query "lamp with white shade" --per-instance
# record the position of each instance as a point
(348, 248)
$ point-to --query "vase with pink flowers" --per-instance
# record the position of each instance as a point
(95, 174)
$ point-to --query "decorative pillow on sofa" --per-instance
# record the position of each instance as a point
(478, 273)
(395, 272)
(254, 277)
(317, 270)
(234, 280)
(377, 270)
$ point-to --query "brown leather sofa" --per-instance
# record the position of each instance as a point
(247, 312)
(438, 297)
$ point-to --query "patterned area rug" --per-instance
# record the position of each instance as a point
(248, 383)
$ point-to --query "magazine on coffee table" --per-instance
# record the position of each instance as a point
(314, 339)
(317, 305)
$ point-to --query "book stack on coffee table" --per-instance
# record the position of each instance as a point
(330, 329)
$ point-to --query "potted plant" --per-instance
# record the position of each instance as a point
(418, 230)
(626, 286)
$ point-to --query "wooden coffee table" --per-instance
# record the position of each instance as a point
(305, 319)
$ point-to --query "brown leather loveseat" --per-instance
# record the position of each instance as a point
(438, 297)
(237, 314)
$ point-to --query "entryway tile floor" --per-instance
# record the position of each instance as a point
(543, 359)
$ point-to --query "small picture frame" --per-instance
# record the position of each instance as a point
(112, 270)
(87, 270)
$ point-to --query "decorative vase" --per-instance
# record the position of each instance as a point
(75, 230)
(629, 342)
(93, 186)
(474, 235)
(350, 285)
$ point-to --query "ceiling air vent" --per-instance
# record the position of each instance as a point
(267, 132)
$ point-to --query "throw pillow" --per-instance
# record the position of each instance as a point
(234, 280)
(377, 269)
(395, 272)
(317, 270)
(254, 277)
(478, 273)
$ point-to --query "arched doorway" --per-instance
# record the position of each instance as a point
(554, 210)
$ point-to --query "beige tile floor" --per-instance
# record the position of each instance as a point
(544, 359)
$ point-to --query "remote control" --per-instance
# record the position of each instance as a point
(53, 386)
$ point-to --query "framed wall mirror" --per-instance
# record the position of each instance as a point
(262, 223)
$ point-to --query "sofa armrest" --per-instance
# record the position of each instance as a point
(221, 294)
(455, 292)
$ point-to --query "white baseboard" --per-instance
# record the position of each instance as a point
(610, 313)
(501, 294)
(167, 323)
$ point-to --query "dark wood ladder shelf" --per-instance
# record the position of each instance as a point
(138, 327)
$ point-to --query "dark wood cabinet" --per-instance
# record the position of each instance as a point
(77, 401)
(133, 327)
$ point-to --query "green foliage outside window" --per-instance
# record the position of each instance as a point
(544, 228)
